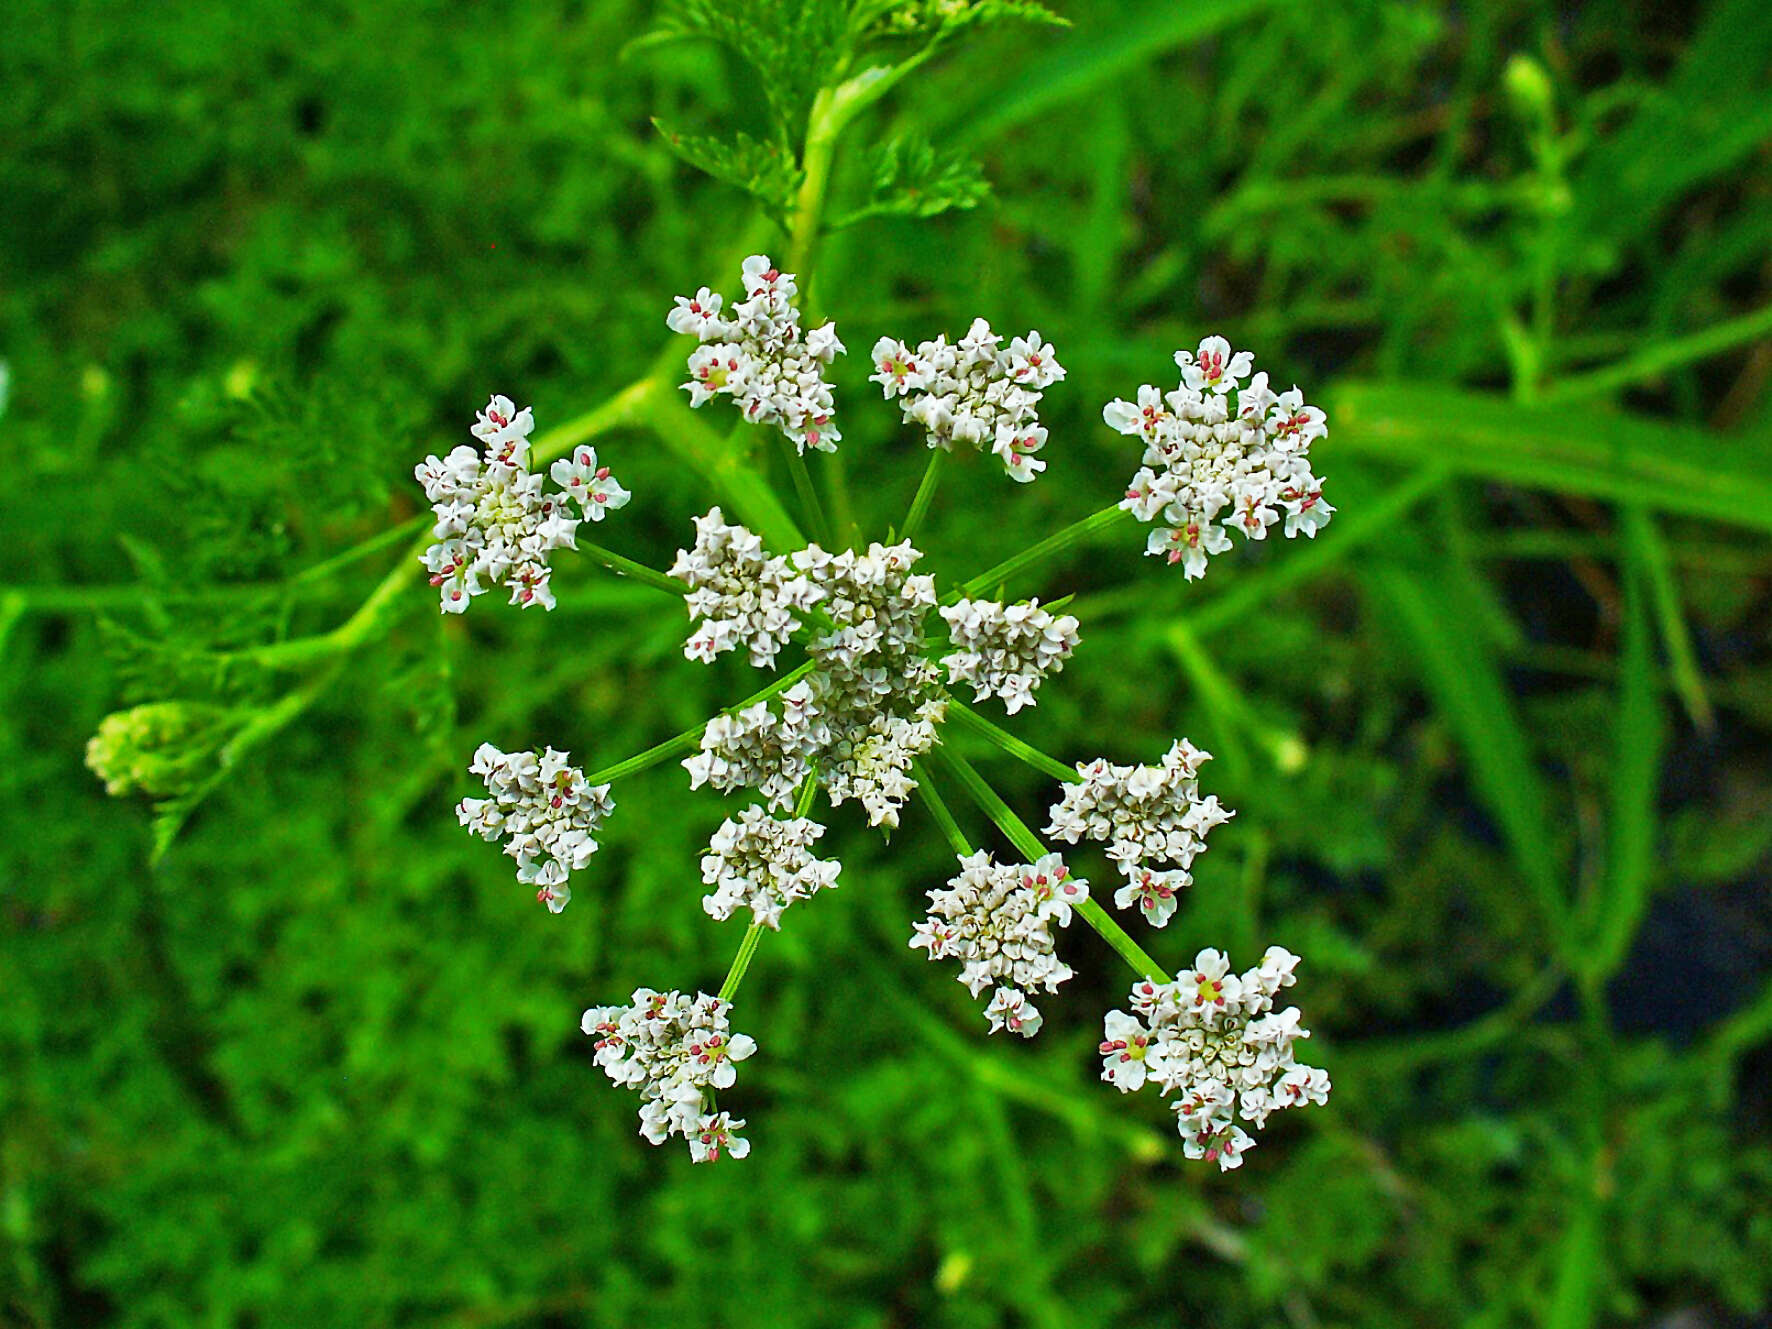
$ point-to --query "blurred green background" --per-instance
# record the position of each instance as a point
(1498, 739)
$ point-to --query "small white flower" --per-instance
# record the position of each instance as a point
(1145, 815)
(674, 1049)
(496, 524)
(975, 392)
(997, 920)
(597, 492)
(1209, 470)
(1006, 651)
(756, 355)
(1153, 892)
(1213, 1040)
(717, 1134)
(545, 812)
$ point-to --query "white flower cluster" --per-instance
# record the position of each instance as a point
(996, 919)
(1214, 1038)
(880, 698)
(976, 392)
(547, 813)
(495, 525)
(868, 710)
(1145, 815)
(674, 1049)
(742, 596)
(764, 863)
(756, 356)
(762, 749)
(1006, 650)
(1202, 458)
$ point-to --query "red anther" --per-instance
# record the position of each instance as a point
(602, 472)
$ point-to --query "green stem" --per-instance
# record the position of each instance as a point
(823, 127)
(742, 961)
(691, 738)
(375, 615)
(1035, 554)
(1660, 358)
(624, 566)
(363, 549)
(1014, 746)
(938, 809)
(925, 493)
(810, 506)
(1026, 842)
(753, 935)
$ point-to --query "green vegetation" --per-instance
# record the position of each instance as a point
(281, 1045)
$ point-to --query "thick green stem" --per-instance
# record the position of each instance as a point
(1015, 747)
(1027, 843)
(691, 738)
(925, 493)
(823, 127)
(1035, 554)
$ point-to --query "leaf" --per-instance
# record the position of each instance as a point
(764, 170)
(914, 179)
(1466, 682)
(1636, 776)
(1573, 450)
(1138, 33)
(795, 46)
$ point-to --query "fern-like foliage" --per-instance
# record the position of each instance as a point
(913, 178)
(765, 170)
(795, 46)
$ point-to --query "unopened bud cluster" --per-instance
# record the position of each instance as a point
(756, 355)
(1006, 650)
(675, 1050)
(1145, 815)
(764, 864)
(546, 812)
(977, 391)
(161, 748)
(1213, 1040)
(496, 523)
(997, 919)
(1212, 465)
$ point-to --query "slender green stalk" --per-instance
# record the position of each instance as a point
(1038, 553)
(925, 493)
(363, 549)
(624, 566)
(1660, 358)
(742, 961)
(1014, 746)
(1646, 548)
(691, 738)
(753, 936)
(938, 809)
(810, 506)
(1026, 842)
